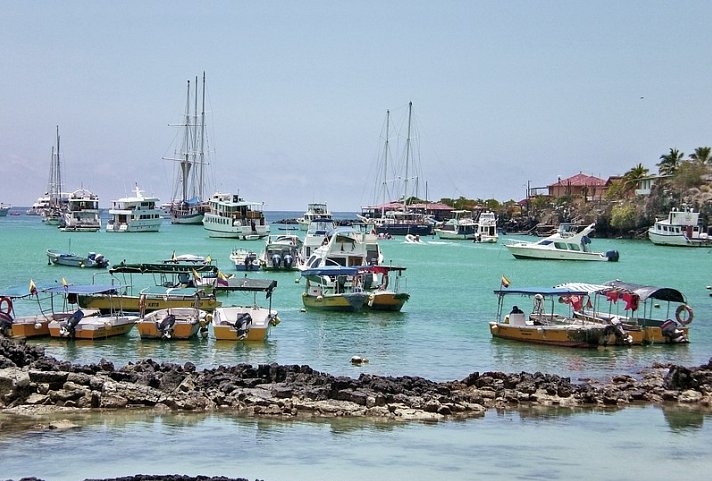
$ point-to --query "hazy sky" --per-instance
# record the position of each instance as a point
(503, 92)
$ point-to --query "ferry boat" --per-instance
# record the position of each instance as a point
(680, 228)
(135, 214)
(82, 212)
(232, 217)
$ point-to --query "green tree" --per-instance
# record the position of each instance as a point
(624, 217)
(702, 155)
(632, 177)
(669, 162)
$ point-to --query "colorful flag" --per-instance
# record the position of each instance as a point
(64, 282)
(505, 281)
(33, 288)
(208, 260)
(196, 276)
(222, 280)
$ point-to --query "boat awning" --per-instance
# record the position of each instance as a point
(647, 292)
(381, 269)
(172, 291)
(331, 271)
(544, 291)
(85, 289)
(162, 268)
(247, 284)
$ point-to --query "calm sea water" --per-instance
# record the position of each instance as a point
(441, 334)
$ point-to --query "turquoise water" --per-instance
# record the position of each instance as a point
(441, 334)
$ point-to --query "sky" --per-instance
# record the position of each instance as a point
(505, 94)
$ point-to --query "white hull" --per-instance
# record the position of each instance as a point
(677, 240)
(450, 235)
(188, 219)
(532, 252)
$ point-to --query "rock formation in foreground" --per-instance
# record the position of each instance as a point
(31, 382)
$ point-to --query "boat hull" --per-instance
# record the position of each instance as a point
(98, 327)
(386, 301)
(404, 229)
(186, 326)
(109, 303)
(530, 252)
(677, 240)
(347, 302)
(261, 322)
(565, 336)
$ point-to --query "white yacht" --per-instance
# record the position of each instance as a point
(487, 227)
(461, 226)
(570, 242)
(233, 217)
(314, 211)
(680, 228)
(82, 212)
(346, 247)
(135, 214)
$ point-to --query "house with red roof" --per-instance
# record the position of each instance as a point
(580, 185)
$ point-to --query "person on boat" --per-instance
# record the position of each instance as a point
(516, 310)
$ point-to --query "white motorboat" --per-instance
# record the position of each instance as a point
(680, 228)
(487, 228)
(346, 247)
(232, 217)
(318, 230)
(314, 211)
(462, 225)
(570, 242)
(281, 252)
(245, 260)
(135, 214)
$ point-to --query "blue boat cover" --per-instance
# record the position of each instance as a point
(331, 271)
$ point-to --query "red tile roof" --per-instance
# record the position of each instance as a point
(579, 179)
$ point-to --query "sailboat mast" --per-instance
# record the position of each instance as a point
(202, 145)
(194, 154)
(385, 164)
(407, 156)
(58, 175)
(185, 162)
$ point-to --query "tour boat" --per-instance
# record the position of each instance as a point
(462, 225)
(82, 212)
(346, 246)
(314, 211)
(680, 228)
(135, 214)
(246, 322)
(486, 228)
(333, 288)
(232, 217)
(281, 253)
(318, 231)
(570, 242)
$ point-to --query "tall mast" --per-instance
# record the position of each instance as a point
(202, 144)
(194, 146)
(385, 164)
(407, 156)
(185, 162)
(57, 176)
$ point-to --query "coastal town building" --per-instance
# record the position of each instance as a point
(580, 185)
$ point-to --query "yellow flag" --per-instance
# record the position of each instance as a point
(208, 260)
(33, 287)
(64, 282)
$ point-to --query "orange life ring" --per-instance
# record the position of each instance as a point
(684, 319)
(8, 309)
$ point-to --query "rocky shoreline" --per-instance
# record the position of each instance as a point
(31, 383)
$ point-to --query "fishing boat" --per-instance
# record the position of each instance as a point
(681, 228)
(648, 314)
(70, 259)
(383, 286)
(348, 247)
(87, 325)
(188, 205)
(550, 321)
(333, 288)
(172, 323)
(82, 213)
(462, 225)
(245, 260)
(399, 217)
(135, 213)
(319, 230)
(52, 305)
(570, 242)
(486, 228)
(281, 253)
(317, 210)
(246, 322)
(231, 216)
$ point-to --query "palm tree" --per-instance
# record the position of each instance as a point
(703, 155)
(633, 176)
(669, 162)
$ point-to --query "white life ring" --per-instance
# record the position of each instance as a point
(684, 319)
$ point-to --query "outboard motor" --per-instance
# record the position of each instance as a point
(288, 260)
(165, 327)
(672, 332)
(5, 323)
(616, 328)
(70, 326)
(276, 260)
(242, 324)
(612, 256)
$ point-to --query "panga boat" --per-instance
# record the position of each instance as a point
(570, 242)
(550, 321)
(680, 228)
(382, 284)
(331, 288)
(247, 322)
(85, 325)
(34, 325)
(92, 260)
(172, 323)
(649, 314)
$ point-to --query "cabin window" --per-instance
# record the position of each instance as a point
(574, 247)
(560, 245)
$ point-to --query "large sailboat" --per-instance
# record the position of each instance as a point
(398, 217)
(188, 205)
(56, 205)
